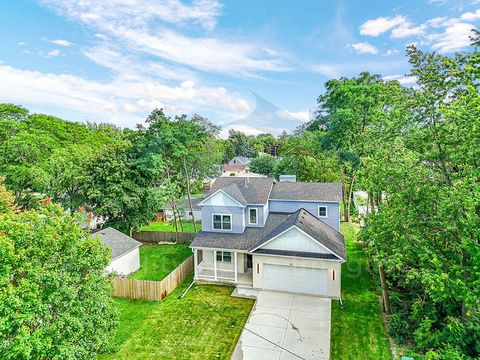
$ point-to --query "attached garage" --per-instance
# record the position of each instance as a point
(295, 279)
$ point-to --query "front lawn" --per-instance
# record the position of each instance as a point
(205, 324)
(157, 261)
(186, 226)
(358, 331)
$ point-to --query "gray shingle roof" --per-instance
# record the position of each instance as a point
(312, 226)
(307, 191)
(118, 242)
(253, 190)
(243, 241)
(276, 224)
(234, 191)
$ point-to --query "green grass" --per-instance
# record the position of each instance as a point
(157, 261)
(187, 226)
(185, 329)
(358, 331)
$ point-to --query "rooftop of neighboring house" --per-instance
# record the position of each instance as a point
(240, 160)
(229, 167)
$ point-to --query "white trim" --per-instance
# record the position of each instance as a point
(236, 270)
(223, 230)
(221, 249)
(303, 232)
(256, 216)
(341, 261)
(308, 201)
(215, 264)
(201, 203)
(326, 211)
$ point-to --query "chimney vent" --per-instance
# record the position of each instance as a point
(288, 178)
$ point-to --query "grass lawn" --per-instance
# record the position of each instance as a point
(358, 330)
(157, 261)
(170, 226)
(184, 329)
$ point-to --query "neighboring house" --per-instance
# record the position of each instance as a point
(184, 209)
(240, 160)
(271, 235)
(125, 256)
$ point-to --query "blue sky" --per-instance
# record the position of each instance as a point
(116, 60)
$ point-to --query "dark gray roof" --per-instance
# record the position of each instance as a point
(243, 241)
(276, 224)
(307, 191)
(253, 190)
(312, 226)
(117, 241)
(234, 191)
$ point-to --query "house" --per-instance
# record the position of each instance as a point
(271, 235)
(240, 160)
(183, 208)
(125, 256)
(238, 166)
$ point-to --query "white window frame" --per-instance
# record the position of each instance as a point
(256, 216)
(221, 222)
(222, 256)
(326, 211)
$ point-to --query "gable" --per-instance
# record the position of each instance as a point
(295, 240)
(220, 199)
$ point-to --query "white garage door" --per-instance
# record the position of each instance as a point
(295, 279)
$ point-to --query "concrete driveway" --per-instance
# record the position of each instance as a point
(298, 323)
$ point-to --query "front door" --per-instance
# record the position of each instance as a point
(249, 261)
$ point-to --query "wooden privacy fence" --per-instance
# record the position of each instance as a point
(152, 290)
(155, 237)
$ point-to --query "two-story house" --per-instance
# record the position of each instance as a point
(271, 235)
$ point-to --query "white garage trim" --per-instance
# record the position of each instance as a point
(295, 279)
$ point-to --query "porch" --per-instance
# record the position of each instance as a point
(223, 266)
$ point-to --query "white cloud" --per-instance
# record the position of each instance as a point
(365, 48)
(140, 26)
(59, 42)
(406, 29)
(471, 16)
(303, 115)
(51, 53)
(391, 52)
(121, 101)
(381, 25)
(454, 38)
(402, 79)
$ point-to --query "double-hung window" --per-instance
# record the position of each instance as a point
(224, 256)
(322, 211)
(222, 222)
(252, 216)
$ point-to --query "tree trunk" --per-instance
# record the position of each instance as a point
(189, 195)
(383, 284)
(349, 199)
(172, 199)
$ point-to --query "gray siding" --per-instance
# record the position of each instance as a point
(237, 217)
(260, 216)
(333, 210)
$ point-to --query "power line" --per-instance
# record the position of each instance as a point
(251, 331)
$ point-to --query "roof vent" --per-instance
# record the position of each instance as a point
(288, 178)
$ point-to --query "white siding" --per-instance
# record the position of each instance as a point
(126, 264)
(295, 279)
(295, 240)
(220, 199)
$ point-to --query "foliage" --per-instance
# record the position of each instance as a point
(263, 165)
(239, 144)
(55, 300)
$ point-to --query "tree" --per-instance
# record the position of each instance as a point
(263, 165)
(55, 298)
(239, 144)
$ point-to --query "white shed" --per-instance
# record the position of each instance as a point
(125, 257)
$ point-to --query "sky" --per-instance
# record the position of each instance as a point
(256, 66)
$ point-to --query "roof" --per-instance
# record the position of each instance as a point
(312, 226)
(307, 191)
(277, 223)
(242, 241)
(242, 160)
(252, 190)
(229, 167)
(118, 242)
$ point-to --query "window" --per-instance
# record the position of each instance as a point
(224, 256)
(252, 219)
(222, 222)
(322, 211)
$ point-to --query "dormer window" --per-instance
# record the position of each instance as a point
(222, 222)
(252, 216)
(322, 212)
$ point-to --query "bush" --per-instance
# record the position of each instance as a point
(399, 328)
